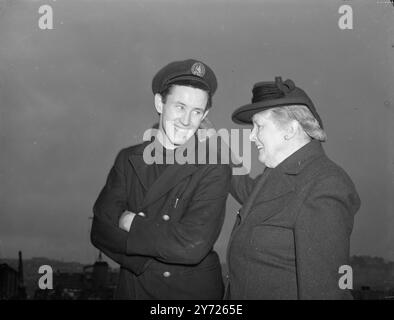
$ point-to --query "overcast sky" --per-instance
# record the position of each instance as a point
(72, 97)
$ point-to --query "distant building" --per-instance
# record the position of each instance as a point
(11, 281)
(96, 282)
(373, 278)
(8, 282)
(372, 272)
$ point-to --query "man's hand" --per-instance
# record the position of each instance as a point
(125, 220)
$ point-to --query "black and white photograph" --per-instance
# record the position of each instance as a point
(218, 151)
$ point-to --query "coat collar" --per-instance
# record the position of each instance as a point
(277, 182)
(173, 173)
(296, 162)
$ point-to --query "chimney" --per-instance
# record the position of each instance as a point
(21, 288)
(20, 270)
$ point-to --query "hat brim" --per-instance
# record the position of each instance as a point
(244, 114)
(188, 77)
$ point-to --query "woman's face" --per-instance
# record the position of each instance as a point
(269, 138)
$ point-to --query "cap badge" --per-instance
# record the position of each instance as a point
(198, 69)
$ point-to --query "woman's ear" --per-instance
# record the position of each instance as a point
(158, 103)
(291, 130)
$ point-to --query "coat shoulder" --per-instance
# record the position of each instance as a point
(323, 168)
(325, 173)
(134, 149)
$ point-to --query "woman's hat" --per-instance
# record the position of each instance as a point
(267, 95)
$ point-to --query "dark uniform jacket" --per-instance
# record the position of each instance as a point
(168, 253)
(292, 233)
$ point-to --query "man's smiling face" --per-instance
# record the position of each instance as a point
(181, 114)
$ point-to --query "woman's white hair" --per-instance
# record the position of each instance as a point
(303, 116)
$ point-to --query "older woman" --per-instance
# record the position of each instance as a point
(292, 233)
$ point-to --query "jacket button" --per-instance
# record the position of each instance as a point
(166, 217)
(141, 214)
(166, 274)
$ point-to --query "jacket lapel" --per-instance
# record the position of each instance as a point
(277, 185)
(247, 207)
(171, 177)
(139, 165)
(278, 182)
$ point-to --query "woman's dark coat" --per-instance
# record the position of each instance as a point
(292, 233)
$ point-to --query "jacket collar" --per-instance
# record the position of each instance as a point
(277, 182)
(170, 177)
(296, 162)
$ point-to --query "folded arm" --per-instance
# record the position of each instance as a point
(191, 238)
(109, 206)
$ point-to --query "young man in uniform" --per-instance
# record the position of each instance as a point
(160, 220)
